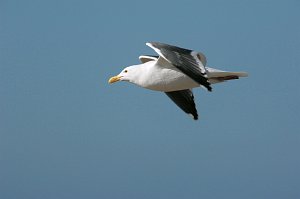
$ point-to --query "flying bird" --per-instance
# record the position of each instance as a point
(175, 72)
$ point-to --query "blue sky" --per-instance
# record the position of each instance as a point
(66, 133)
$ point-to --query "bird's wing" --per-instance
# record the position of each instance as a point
(187, 61)
(202, 58)
(184, 99)
(146, 58)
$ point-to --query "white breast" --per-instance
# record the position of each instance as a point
(162, 78)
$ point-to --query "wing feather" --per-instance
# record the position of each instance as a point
(187, 61)
(184, 99)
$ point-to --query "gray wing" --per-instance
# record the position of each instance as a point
(185, 100)
(187, 61)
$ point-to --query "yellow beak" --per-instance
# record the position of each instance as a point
(114, 79)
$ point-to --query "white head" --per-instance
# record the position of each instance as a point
(130, 74)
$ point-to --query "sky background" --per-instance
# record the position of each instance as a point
(66, 133)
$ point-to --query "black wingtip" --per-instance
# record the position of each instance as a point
(209, 88)
(194, 115)
(207, 85)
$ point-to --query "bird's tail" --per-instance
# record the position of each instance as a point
(217, 76)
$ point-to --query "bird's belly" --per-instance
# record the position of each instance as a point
(171, 80)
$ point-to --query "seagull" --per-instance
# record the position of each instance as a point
(176, 71)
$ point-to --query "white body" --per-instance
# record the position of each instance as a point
(163, 76)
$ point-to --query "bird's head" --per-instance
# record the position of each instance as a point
(130, 74)
(123, 76)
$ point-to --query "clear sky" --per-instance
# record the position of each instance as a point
(66, 133)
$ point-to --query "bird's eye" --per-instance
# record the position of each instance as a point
(125, 71)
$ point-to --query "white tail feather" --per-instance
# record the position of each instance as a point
(216, 76)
